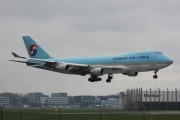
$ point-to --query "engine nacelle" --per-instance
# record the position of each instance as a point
(97, 72)
(62, 67)
(131, 74)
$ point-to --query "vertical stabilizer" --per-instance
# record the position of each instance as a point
(33, 49)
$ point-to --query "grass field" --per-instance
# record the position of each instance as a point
(79, 114)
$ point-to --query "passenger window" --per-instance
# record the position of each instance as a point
(159, 52)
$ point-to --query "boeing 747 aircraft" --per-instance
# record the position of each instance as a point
(127, 64)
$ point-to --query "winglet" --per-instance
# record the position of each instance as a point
(16, 55)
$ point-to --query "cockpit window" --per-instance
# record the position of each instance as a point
(159, 53)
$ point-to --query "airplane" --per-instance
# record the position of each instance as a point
(127, 64)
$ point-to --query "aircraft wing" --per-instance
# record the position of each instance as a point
(74, 68)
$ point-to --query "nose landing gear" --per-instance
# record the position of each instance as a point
(155, 76)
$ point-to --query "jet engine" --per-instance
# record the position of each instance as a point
(97, 72)
(131, 74)
(62, 67)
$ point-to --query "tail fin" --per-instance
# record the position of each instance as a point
(33, 49)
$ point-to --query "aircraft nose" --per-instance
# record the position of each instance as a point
(169, 60)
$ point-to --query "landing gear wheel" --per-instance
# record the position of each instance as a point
(94, 79)
(99, 79)
(155, 76)
(108, 80)
(110, 77)
(90, 80)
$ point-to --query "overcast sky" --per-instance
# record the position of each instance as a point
(75, 28)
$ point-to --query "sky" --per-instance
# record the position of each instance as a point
(76, 28)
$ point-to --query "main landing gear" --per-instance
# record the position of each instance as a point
(94, 78)
(109, 78)
(155, 76)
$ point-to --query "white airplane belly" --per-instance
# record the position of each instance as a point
(147, 67)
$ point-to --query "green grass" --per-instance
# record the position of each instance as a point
(46, 114)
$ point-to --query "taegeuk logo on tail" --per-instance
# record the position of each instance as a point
(33, 49)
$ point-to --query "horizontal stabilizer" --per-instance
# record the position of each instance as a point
(18, 61)
(16, 55)
(28, 63)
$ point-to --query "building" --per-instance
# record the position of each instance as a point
(83, 101)
(4, 101)
(161, 99)
(71, 100)
(18, 102)
(153, 99)
(34, 99)
(58, 94)
(122, 99)
(56, 99)
(53, 101)
(109, 101)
